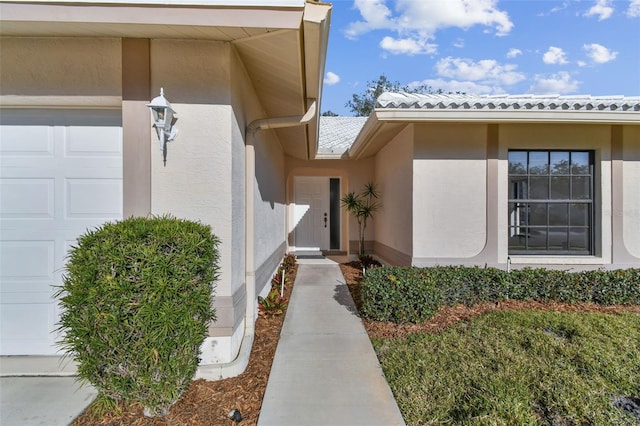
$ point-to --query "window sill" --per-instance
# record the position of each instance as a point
(557, 260)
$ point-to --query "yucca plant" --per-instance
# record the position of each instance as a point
(362, 206)
(136, 305)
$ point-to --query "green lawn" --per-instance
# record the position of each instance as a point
(518, 368)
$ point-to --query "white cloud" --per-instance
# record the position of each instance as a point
(602, 9)
(599, 54)
(407, 46)
(556, 9)
(512, 53)
(487, 71)
(634, 9)
(331, 78)
(454, 86)
(419, 20)
(376, 16)
(559, 83)
(554, 55)
(459, 43)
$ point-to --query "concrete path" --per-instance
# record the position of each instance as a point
(27, 401)
(325, 371)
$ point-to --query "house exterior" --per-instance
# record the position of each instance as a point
(549, 181)
(77, 147)
(476, 180)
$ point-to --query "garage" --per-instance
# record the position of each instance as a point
(60, 174)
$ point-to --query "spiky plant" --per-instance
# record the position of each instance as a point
(362, 206)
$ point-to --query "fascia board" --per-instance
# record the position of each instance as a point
(522, 116)
(316, 24)
(369, 130)
(159, 14)
(218, 3)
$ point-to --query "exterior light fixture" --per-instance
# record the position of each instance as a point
(164, 117)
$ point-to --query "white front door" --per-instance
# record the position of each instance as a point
(311, 213)
(61, 174)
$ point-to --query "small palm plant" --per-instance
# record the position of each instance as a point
(362, 206)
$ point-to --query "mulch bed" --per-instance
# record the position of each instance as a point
(447, 316)
(209, 403)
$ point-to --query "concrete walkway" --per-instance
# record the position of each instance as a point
(325, 371)
(27, 401)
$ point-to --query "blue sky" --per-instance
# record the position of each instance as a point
(484, 46)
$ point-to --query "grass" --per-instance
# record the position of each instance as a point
(518, 368)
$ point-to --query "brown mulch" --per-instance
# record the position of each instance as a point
(208, 403)
(447, 316)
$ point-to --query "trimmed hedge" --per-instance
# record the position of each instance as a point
(137, 301)
(414, 295)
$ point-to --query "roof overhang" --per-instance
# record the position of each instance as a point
(385, 123)
(282, 43)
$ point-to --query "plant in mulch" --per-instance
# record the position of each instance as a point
(137, 300)
(362, 206)
(275, 303)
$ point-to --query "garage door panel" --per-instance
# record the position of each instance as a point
(93, 198)
(27, 260)
(26, 327)
(61, 176)
(26, 141)
(87, 142)
(27, 198)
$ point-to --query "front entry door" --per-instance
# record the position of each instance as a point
(311, 213)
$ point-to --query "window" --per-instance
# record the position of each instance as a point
(551, 202)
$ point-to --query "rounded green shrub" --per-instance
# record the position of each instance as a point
(136, 303)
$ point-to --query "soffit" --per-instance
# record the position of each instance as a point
(275, 65)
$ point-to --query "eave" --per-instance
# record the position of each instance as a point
(282, 43)
(384, 123)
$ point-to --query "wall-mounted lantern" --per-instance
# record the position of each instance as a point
(164, 117)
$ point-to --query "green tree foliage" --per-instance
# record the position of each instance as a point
(329, 113)
(362, 104)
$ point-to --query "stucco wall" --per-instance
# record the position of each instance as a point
(353, 176)
(631, 189)
(267, 181)
(269, 198)
(44, 67)
(449, 190)
(196, 182)
(567, 136)
(394, 175)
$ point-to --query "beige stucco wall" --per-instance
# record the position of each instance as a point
(204, 176)
(353, 176)
(631, 189)
(46, 67)
(394, 175)
(266, 169)
(449, 190)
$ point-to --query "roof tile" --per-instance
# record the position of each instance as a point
(508, 102)
(338, 133)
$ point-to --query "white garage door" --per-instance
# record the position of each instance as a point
(61, 173)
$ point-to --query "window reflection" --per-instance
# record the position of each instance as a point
(550, 202)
